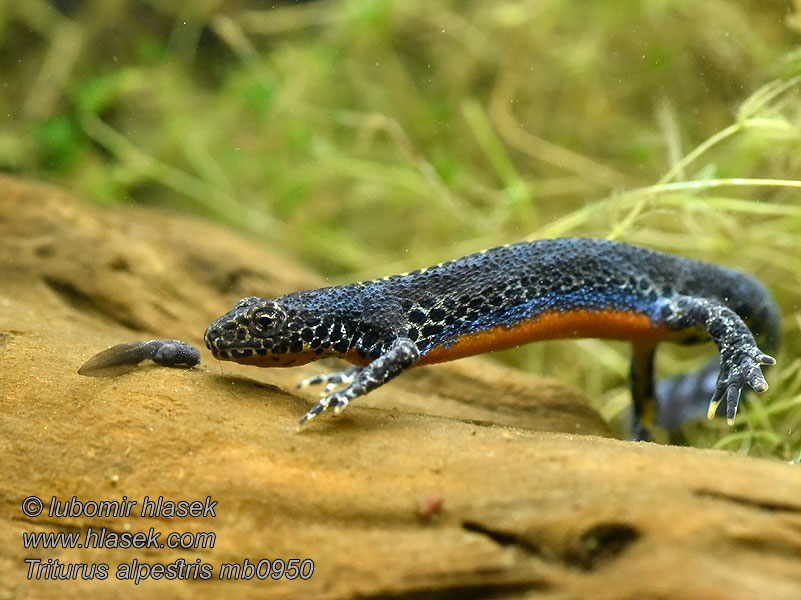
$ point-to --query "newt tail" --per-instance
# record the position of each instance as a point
(508, 296)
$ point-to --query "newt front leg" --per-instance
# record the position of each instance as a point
(401, 355)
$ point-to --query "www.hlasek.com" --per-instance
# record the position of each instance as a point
(136, 570)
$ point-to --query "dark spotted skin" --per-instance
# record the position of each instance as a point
(507, 296)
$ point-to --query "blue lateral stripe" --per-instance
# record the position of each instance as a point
(591, 301)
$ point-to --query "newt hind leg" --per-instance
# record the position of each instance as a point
(642, 391)
(685, 397)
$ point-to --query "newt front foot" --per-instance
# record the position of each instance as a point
(332, 380)
(339, 400)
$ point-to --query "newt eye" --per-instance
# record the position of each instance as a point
(264, 321)
(267, 320)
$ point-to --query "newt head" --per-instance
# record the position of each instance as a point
(262, 332)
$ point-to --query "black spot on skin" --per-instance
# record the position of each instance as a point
(341, 346)
(474, 315)
(307, 335)
(369, 339)
(497, 301)
(413, 334)
(276, 358)
(296, 345)
(261, 351)
(321, 332)
(437, 314)
(450, 304)
(428, 302)
(417, 316)
(375, 353)
(476, 303)
(267, 343)
(240, 334)
(431, 330)
(462, 311)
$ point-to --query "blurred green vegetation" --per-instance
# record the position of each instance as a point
(367, 137)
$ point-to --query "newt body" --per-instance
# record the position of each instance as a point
(507, 296)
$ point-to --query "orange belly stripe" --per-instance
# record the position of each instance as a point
(289, 359)
(607, 324)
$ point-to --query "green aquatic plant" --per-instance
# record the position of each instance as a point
(367, 137)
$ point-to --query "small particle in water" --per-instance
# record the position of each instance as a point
(429, 505)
